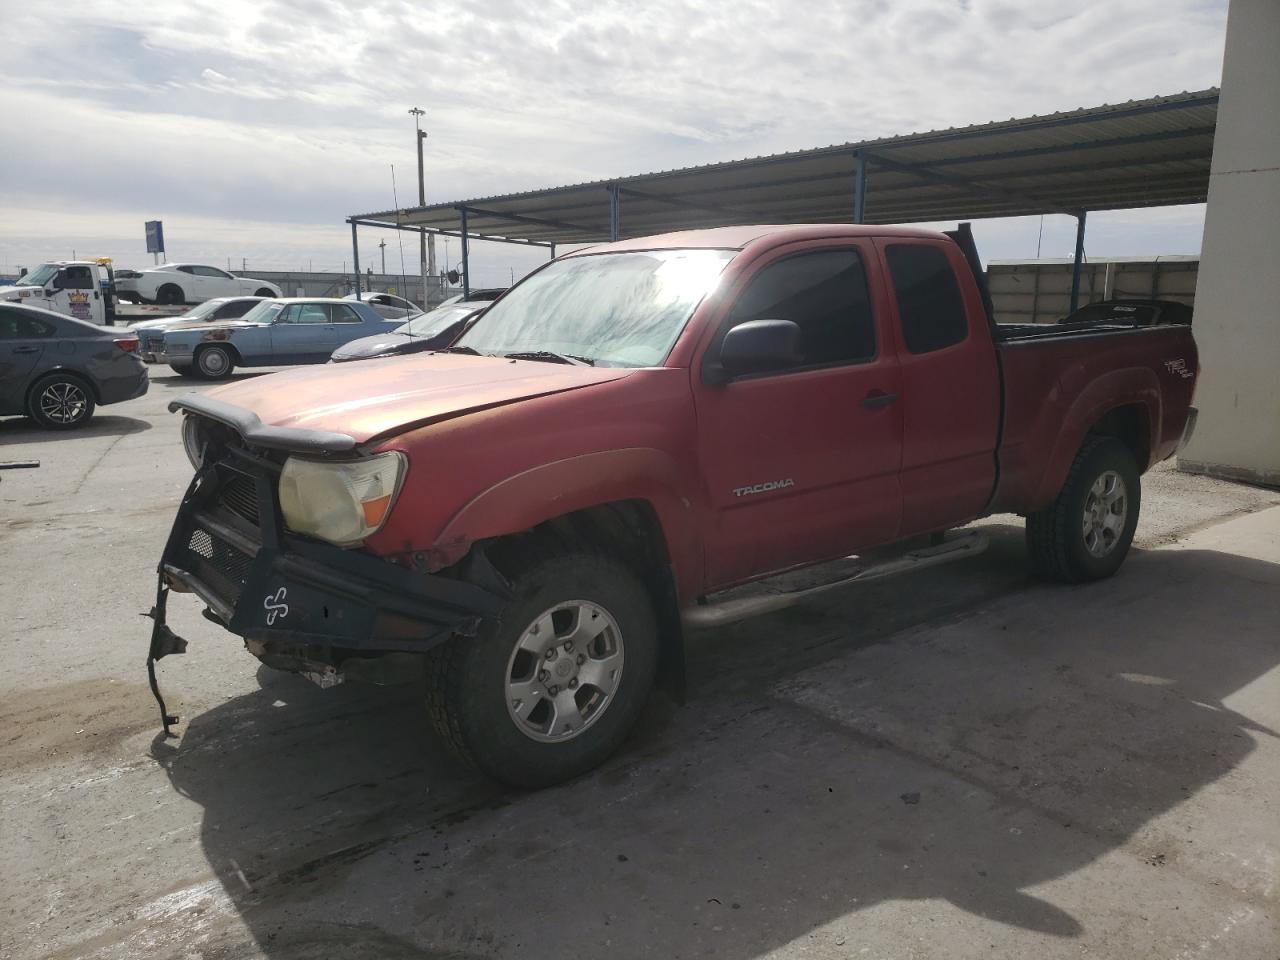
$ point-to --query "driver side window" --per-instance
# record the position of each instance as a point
(77, 278)
(825, 294)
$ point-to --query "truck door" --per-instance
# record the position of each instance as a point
(79, 294)
(802, 463)
(22, 341)
(950, 385)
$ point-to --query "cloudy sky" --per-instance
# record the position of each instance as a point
(252, 128)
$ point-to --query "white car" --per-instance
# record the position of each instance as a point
(389, 305)
(188, 283)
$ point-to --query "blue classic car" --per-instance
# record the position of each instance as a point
(287, 330)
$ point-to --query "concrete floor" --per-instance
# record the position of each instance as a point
(959, 763)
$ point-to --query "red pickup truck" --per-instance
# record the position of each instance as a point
(627, 437)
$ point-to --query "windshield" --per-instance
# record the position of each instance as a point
(41, 275)
(264, 312)
(613, 309)
(429, 324)
(203, 310)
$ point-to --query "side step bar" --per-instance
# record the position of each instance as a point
(717, 612)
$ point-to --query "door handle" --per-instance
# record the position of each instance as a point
(26, 349)
(876, 399)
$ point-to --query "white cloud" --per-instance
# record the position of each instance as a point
(289, 113)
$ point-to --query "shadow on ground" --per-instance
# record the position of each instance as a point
(174, 381)
(24, 430)
(802, 788)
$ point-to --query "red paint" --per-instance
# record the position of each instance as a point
(496, 447)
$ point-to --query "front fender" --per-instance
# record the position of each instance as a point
(552, 490)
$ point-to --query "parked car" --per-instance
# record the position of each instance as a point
(188, 283)
(1131, 313)
(389, 305)
(56, 369)
(476, 296)
(426, 331)
(628, 436)
(282, 331)
(151, 332)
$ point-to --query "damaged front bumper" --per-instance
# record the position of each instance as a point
(299, 603)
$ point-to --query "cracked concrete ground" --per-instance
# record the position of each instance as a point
(957, 763)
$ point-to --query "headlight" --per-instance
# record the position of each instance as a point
(192, 442)
(341, 502)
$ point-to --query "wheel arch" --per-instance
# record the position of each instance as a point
(78, 374)
(1125, 404)
(206, 344)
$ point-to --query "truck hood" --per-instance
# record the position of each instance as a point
(20, 291)
(384, 397)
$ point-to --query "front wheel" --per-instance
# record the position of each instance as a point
(552, 687)
(214, 363)
(1086, 532)
(264, 292)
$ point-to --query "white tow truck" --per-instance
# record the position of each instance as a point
(84, 289)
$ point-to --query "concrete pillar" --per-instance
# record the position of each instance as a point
(1237, 314)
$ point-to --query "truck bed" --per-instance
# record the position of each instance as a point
(1060, 379)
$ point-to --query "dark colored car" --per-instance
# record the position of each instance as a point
(1131, 313)
(426, 331)
(57, 369)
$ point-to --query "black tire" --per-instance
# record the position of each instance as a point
(183, 371)
(214, 362)
(1057, 538)
(60, 401)
(264, 292)
(171, 294)
(467, 694)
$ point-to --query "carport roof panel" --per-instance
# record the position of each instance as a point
(1152, 152)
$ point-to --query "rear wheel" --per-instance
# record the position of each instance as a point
(1086, 532)
(214, 362)
(552, 687)
(171, 294)
(60, 401)
(264, 292)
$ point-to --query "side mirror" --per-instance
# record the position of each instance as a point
(758, 346)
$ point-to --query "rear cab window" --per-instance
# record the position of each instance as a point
(930, 305)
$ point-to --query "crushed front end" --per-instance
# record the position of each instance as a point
(299, 603)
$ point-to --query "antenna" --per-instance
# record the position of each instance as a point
(404, 281)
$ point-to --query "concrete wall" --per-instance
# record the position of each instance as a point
(1238, 312)
(1039, 291)
(302, 283)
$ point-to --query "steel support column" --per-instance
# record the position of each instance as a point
(553, 251)
(860, 189)
(1075, 268)
(614, 203)
(355, 257)
(466, 257)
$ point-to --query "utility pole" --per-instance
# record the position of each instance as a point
(382, 248)
(426, 244)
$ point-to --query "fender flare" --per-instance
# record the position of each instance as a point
(1118, 388)
(551, 490)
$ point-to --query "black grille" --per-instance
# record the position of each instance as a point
(231, 563)
(239, 494)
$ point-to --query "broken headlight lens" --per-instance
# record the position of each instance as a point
(342, 502)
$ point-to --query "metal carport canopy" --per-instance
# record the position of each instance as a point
(1143, 153)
